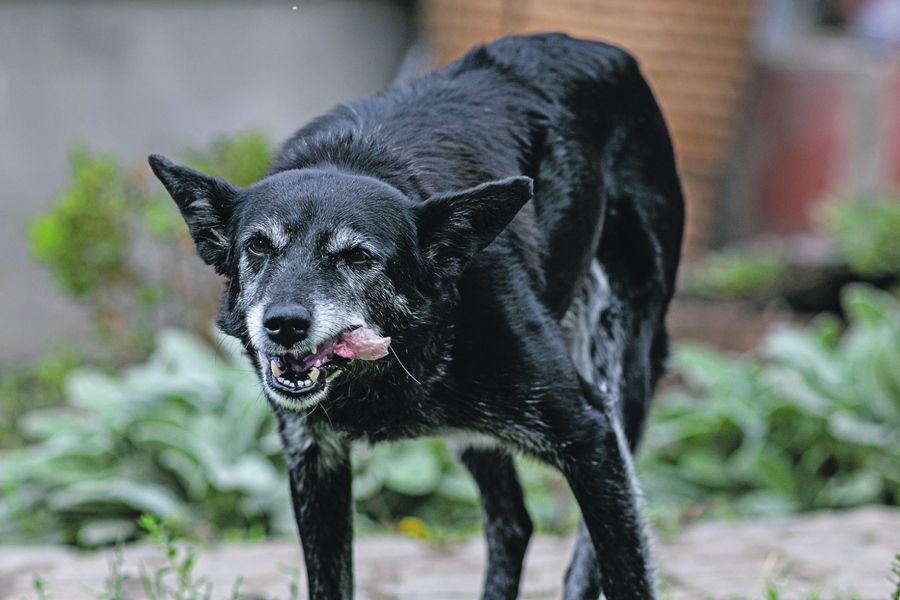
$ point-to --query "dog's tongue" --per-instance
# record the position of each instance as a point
(363, 344)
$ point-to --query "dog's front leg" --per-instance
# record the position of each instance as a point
(320, 476)
(596, 462)
(507, 526)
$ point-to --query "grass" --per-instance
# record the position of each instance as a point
(175, 579)
(895, 580)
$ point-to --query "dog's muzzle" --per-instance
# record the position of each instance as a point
(301, 372)
(298, 373)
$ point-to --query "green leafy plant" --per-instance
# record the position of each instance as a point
(864, 230)
(894, 577)
(812, 422)
(241, 159)
(116, 243)
(732, 274)
(187, 437)
(413, 478)
(41, 588)
(84, 237)
(27, 386)
(184, 436)
(180, 566)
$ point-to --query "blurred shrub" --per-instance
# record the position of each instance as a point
(25, 387)
(733, 274)
(865, 233)
(84, 236)
(813, 422)
(242, 159)
(184, 436)
(862, 231)
(116, 243)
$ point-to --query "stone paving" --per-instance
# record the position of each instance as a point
(837, 554)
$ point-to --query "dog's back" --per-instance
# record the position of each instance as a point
(574, 115)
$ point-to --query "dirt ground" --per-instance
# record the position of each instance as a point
(837, 554)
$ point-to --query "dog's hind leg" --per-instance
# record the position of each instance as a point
(507, 526)
(583, 575)
(595, 459)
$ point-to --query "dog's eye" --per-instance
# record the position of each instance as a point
(260, 246)
(355, 256)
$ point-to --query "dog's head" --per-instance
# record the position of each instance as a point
(311, 255)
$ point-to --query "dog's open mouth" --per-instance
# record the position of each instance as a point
(302, 372)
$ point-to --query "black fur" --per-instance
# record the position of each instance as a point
(472, 273)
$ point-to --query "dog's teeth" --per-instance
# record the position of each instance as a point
(313, 374)
(333, 375)
(318, 364)
(312, 350)
(275, 370)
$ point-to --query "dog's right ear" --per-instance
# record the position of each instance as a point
(205, 203)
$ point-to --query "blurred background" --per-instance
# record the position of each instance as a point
(119, 398)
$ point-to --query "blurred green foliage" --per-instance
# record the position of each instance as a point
(184, 436)
(812, 422)
(862, 230)
(241, 159)
(865, 233)
(84, 236)
(29, 386)
(187, 437)
(116, 243)
(733, 274)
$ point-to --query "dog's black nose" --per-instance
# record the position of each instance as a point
(286, 324)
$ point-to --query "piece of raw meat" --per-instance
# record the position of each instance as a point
(362, 343)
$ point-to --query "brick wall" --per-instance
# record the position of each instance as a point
(693, 52)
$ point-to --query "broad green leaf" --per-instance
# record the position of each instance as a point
(859, 488)
(413, 469)
(145, 497)
(868, 306)
(104, 532)
(458, 486)
(849, 429)
(767, 503)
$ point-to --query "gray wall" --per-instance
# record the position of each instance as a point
(133, 78)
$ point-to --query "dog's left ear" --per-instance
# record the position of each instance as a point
(454, 226)
(205, 202)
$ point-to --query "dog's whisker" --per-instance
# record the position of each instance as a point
(399, 362)
(324, 410)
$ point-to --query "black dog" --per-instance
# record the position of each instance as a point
(425, 262)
